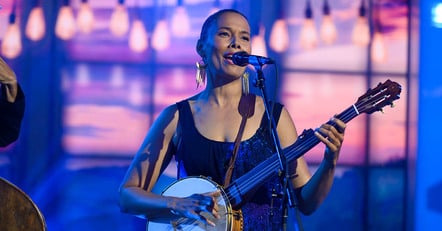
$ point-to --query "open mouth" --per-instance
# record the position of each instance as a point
(228, 56)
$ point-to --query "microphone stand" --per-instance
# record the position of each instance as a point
(287, 192)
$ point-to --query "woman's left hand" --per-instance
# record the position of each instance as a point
(8, 78)
(333, 137)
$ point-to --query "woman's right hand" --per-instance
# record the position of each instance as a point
(193, 205)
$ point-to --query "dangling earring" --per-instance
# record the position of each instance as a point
(245, 83)
(200, 73)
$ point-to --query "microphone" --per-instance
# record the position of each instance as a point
(243, 58)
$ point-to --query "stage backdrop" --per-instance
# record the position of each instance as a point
(110, 94)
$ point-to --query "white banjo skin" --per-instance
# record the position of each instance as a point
(186, 187)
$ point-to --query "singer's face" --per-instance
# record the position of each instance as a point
(230, 34)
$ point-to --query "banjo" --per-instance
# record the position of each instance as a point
(233, 196)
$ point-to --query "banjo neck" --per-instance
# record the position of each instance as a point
(373, 100)
(269, 168)
(234, 195)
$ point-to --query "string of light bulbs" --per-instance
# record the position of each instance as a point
(67, 25)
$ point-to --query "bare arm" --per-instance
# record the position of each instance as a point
(312, 190)
(135, 191)
(317, 188)
(136, 195)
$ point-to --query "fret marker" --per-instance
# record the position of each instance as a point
(354, 107)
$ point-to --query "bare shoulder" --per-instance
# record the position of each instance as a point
(168, 111)
(286, 128)
(285, 117)
(259, 104)
(168, 118)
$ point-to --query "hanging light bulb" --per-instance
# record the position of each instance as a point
(83, 77)
(378, 49)
(136, 93)
(117, 76)
(138, 36)
(328, 27)
(309, 36)
(11, 45)
(65, 25)
(161, 36)
(180, 21)
(361, 30)
(436, 15)
(258, 43)
(85, 18)
(119, 23)
(36, 26)
(279, 36)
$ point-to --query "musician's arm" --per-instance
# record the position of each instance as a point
(312, 194)
(154, 154)
(317, 188)
(310, 190)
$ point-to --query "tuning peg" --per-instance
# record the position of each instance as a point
(392, 105)
(381, 110)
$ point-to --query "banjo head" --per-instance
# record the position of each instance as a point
(191, 185)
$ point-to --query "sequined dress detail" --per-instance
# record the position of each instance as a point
(200, 156)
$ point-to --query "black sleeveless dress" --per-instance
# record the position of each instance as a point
(199, 155)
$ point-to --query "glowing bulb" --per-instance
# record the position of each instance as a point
(136, 93)
(138, 36)
(259, 44)
(328, 30)
(65, 25)
(361, 32)
(161, 36)
(11, 46)
(36, 26)
(119, 23)
(309, 36)
(85, 18)
(83, 77)
(180, 22)
(279, 36)
(437, 15)
(117, 76)
(378, 49)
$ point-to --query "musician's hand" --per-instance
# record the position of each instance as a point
(8, 78)
(332, 137)
(192, 206)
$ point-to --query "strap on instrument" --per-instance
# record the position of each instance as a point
(246, 109)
